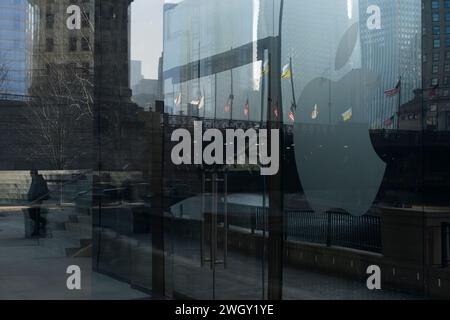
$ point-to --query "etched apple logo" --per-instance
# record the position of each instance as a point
(336, 162)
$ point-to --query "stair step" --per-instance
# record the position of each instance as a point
(85, 219)
(85, 242)
(82, 229)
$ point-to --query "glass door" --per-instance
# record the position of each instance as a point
(216, 240)
(215, 211)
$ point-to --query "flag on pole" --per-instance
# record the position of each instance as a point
(347, 115)
(394, 91)
(315, 112)
(229, 104)
(292, 113)
(286, 72)
(390, 121)
(199, 102)
(265, 69)
(246, 108)
(177, 100)
(275, 111)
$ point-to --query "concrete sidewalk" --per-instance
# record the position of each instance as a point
(36, 269)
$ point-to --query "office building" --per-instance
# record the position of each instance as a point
(15, 46)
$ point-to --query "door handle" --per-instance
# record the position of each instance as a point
(225, 220)
(213, 221)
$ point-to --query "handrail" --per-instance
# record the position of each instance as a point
(80, 175)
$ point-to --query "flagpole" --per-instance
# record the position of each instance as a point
(215, 98)
(263, 84)
(173, 94)
(247, 105)
(232, 95)
(399, 102)
(292, 83)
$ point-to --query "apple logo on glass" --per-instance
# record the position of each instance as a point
(336, 162)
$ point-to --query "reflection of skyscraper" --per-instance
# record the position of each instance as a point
(57, 51)
(14, 46)
(436, 66)
(392, 52)
(135, 72)
(311, 34)
(196, 32)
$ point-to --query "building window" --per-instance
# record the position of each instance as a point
(72, 44)
(49, 44)
(48, 69)
(436, 43)
(447, 68)
(435, 17)
(436, 57)
(435, 4)
(435, 68)
(446, 81)
(50, 21)
(85, 44)
(434, 82)
(436, 30)
(431, 121)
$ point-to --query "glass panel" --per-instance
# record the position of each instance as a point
(355, 71)
(241, 149)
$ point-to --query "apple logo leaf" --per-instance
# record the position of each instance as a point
(346, 46)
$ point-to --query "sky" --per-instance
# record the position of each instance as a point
(146, 34)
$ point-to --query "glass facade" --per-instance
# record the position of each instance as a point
(15, 37)
(242, 150)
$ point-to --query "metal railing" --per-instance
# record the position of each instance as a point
(62, 184)
(14, 97)
(330, 228)
(445, 246)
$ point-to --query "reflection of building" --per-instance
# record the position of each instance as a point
(436, 65)
(135, 72)
(58, 50)
(117, 125)
(393, 52)
(411, 113)
(196, 34)
(112, 64)
(15, 40)
(145, 93)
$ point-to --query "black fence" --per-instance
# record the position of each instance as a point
(330, 228)
(445, 246)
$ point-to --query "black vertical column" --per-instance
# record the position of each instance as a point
(157, 202)
(275, 183)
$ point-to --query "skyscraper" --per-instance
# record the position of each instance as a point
(15, 39)
(58, 51)
(393, 51)
(196, 31)
(436, 64)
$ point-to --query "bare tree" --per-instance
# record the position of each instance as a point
(60, 108)
(60, 116)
